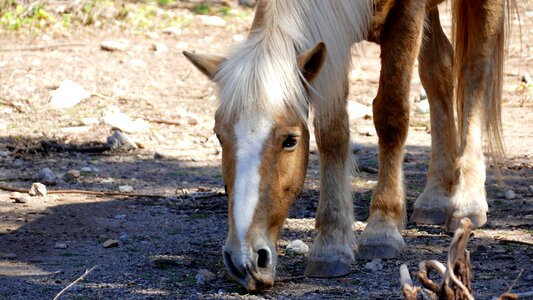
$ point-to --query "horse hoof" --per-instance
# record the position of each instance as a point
(428, 216)
(371, 251)
(478, 219)
(326, 269)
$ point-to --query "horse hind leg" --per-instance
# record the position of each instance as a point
(479, 66)
(399, 40)
(435, 69)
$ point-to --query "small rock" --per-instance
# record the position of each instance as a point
(68, 95)
(530, 188)
(139, 63)
(367, 131)
(89, 121)
(60, 246)
(526, 78)
(15, 195)
(125, 123)
(357, 110)
(297, 247)
(4, 153)
(110, 243)
(71, 176)
(38, 189)
(510, 195)
(47, 177)
(124, 237)
(87, 170)
(212, 21)
(125, 189)
(422, 107)
(374, 265)
(19, 197)
(422, 94)
(111, 45)
(121, 216)
(192, 121)
(120, 141)
(8, 255)
(204, 276)
(159, 47)
(172, 30)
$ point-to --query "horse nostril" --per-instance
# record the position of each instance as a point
(263, 258)
(231, 267)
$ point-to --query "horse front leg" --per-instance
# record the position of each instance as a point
(332, 250)
(435, 69)
(399, 40)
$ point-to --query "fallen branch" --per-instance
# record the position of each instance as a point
(505, 241)
(43, 47)
(292, 278)
(46, 145)
(166, 122)
(9, 103)
(74, 283)
(102, 193)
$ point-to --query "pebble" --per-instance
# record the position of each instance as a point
(297, 247)
(204, 276)
(111, 45)
(212, 21)
(423, 95)
(159, 47)
(120, 217)
(19, 197)
(38, 189)
(60, 246)
(71, 176)
(530, 188)
(374, 265)
(510, 195)
(124, 237)
(68, 95)
(89, 121)
(192, 121)
(238, 38)
(139, 63)
(172, 30)
(120, 141)
(47, 177)
(125, 189)
(422, 107)
(110, 243)
(357, 110)
(4, 153)
(88, 170)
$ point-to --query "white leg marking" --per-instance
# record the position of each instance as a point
(251, 135)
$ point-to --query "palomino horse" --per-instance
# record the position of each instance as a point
(296, 59)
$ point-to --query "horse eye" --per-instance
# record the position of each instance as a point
(289, 143)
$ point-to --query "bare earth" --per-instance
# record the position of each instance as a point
(164, 241)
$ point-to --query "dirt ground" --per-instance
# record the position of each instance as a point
(48, 242)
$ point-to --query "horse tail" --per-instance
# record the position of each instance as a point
(461, 13)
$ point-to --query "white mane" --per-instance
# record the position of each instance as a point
(261, 75)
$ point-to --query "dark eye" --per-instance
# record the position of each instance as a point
(290, 142)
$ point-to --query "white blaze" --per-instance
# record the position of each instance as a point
(251, 135)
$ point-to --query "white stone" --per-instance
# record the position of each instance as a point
(118, 140)
(111, 45)
(89, 121)
(510, 195)
(357, 110)
(125, 123)
(172, 30)
(46, 176)
(212, 21)
(38, 189)
(422, 94)
(125, 189)
(297, 247)
(139, 63)
(68, 95)
(238, 38)
(4, 153)
(422, 107)
(374, 265)
(61, 246)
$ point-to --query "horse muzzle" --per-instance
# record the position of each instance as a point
(252, 267)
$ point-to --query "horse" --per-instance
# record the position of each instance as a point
(294, 62)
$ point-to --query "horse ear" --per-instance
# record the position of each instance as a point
(311, 61)
(207, 64)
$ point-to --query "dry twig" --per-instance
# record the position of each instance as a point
(43, 47)
(74, 283)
